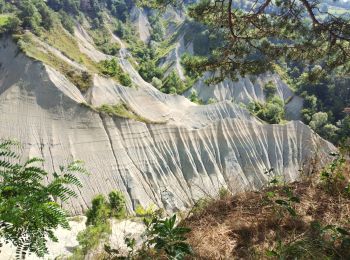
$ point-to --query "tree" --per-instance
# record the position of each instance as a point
(267, 31)
(272, 111)
(173, 84)
(29, 15)
(270, 90)
(320, 125)
(29, 209)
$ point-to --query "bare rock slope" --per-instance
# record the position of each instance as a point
(184, 152)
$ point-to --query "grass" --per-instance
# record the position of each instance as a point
(124, 111)
(58, 38)
(27, 43)
(253, 225)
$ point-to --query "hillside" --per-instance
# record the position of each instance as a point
(113, 84)
(154, 147)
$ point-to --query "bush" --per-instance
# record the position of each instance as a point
(117, 204)
(99, 211)
(194, 98)
(163, 240)
(173, 84)
(270, 90)
(98, 225)
(272, 111)
(149, 70)
(157, 83)
(112, 68)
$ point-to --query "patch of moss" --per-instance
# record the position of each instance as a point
(124, 111)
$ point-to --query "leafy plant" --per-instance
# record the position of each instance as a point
(29, 209)
(332, 176)
(117, 204)
(165, 235)
(98, 224)
(112, 68)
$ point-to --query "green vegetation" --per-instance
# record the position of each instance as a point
(80, 78)
(165, 236)
(122, 110)
(325, 99)
(163, 239)
(272, 111)
(8, 23)
(29, 209)
(191, 64)
(103, 41)
(270, 90)
(158, 31)
(149, 70)
(173, 84)
(98, 222)
(194, 98)
(112, 68)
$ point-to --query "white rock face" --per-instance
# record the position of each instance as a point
(248, 89)
(196, 152)
(141, 23)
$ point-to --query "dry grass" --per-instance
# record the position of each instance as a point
(253, 226)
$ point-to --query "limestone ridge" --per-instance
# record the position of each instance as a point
(195, 150)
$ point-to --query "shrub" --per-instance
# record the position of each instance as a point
(149, 70)
(112, 68)
(272, 111)
(166, 236)
(156, 82)
(99, 211)
(117, 204)
(270, 90)
(173, 84)
(98, 225)
(194, 98)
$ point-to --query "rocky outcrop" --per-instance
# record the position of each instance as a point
(248, 89)
(188, 151)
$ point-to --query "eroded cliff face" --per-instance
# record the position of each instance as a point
(185, 151)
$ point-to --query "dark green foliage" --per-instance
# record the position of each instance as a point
(112, 68)
(272, 111)
(325, 98)
(164, 239)
(164, 235)
(194, 98)
(117, 204)
(69, 6)
(98, 224)
(158, 31)
(9, 23)
(173, 84)
(29, 209)
(119, 8)
(101, 209)
(67, 22)
(192, 63)
(149, 70)
(270, 90)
